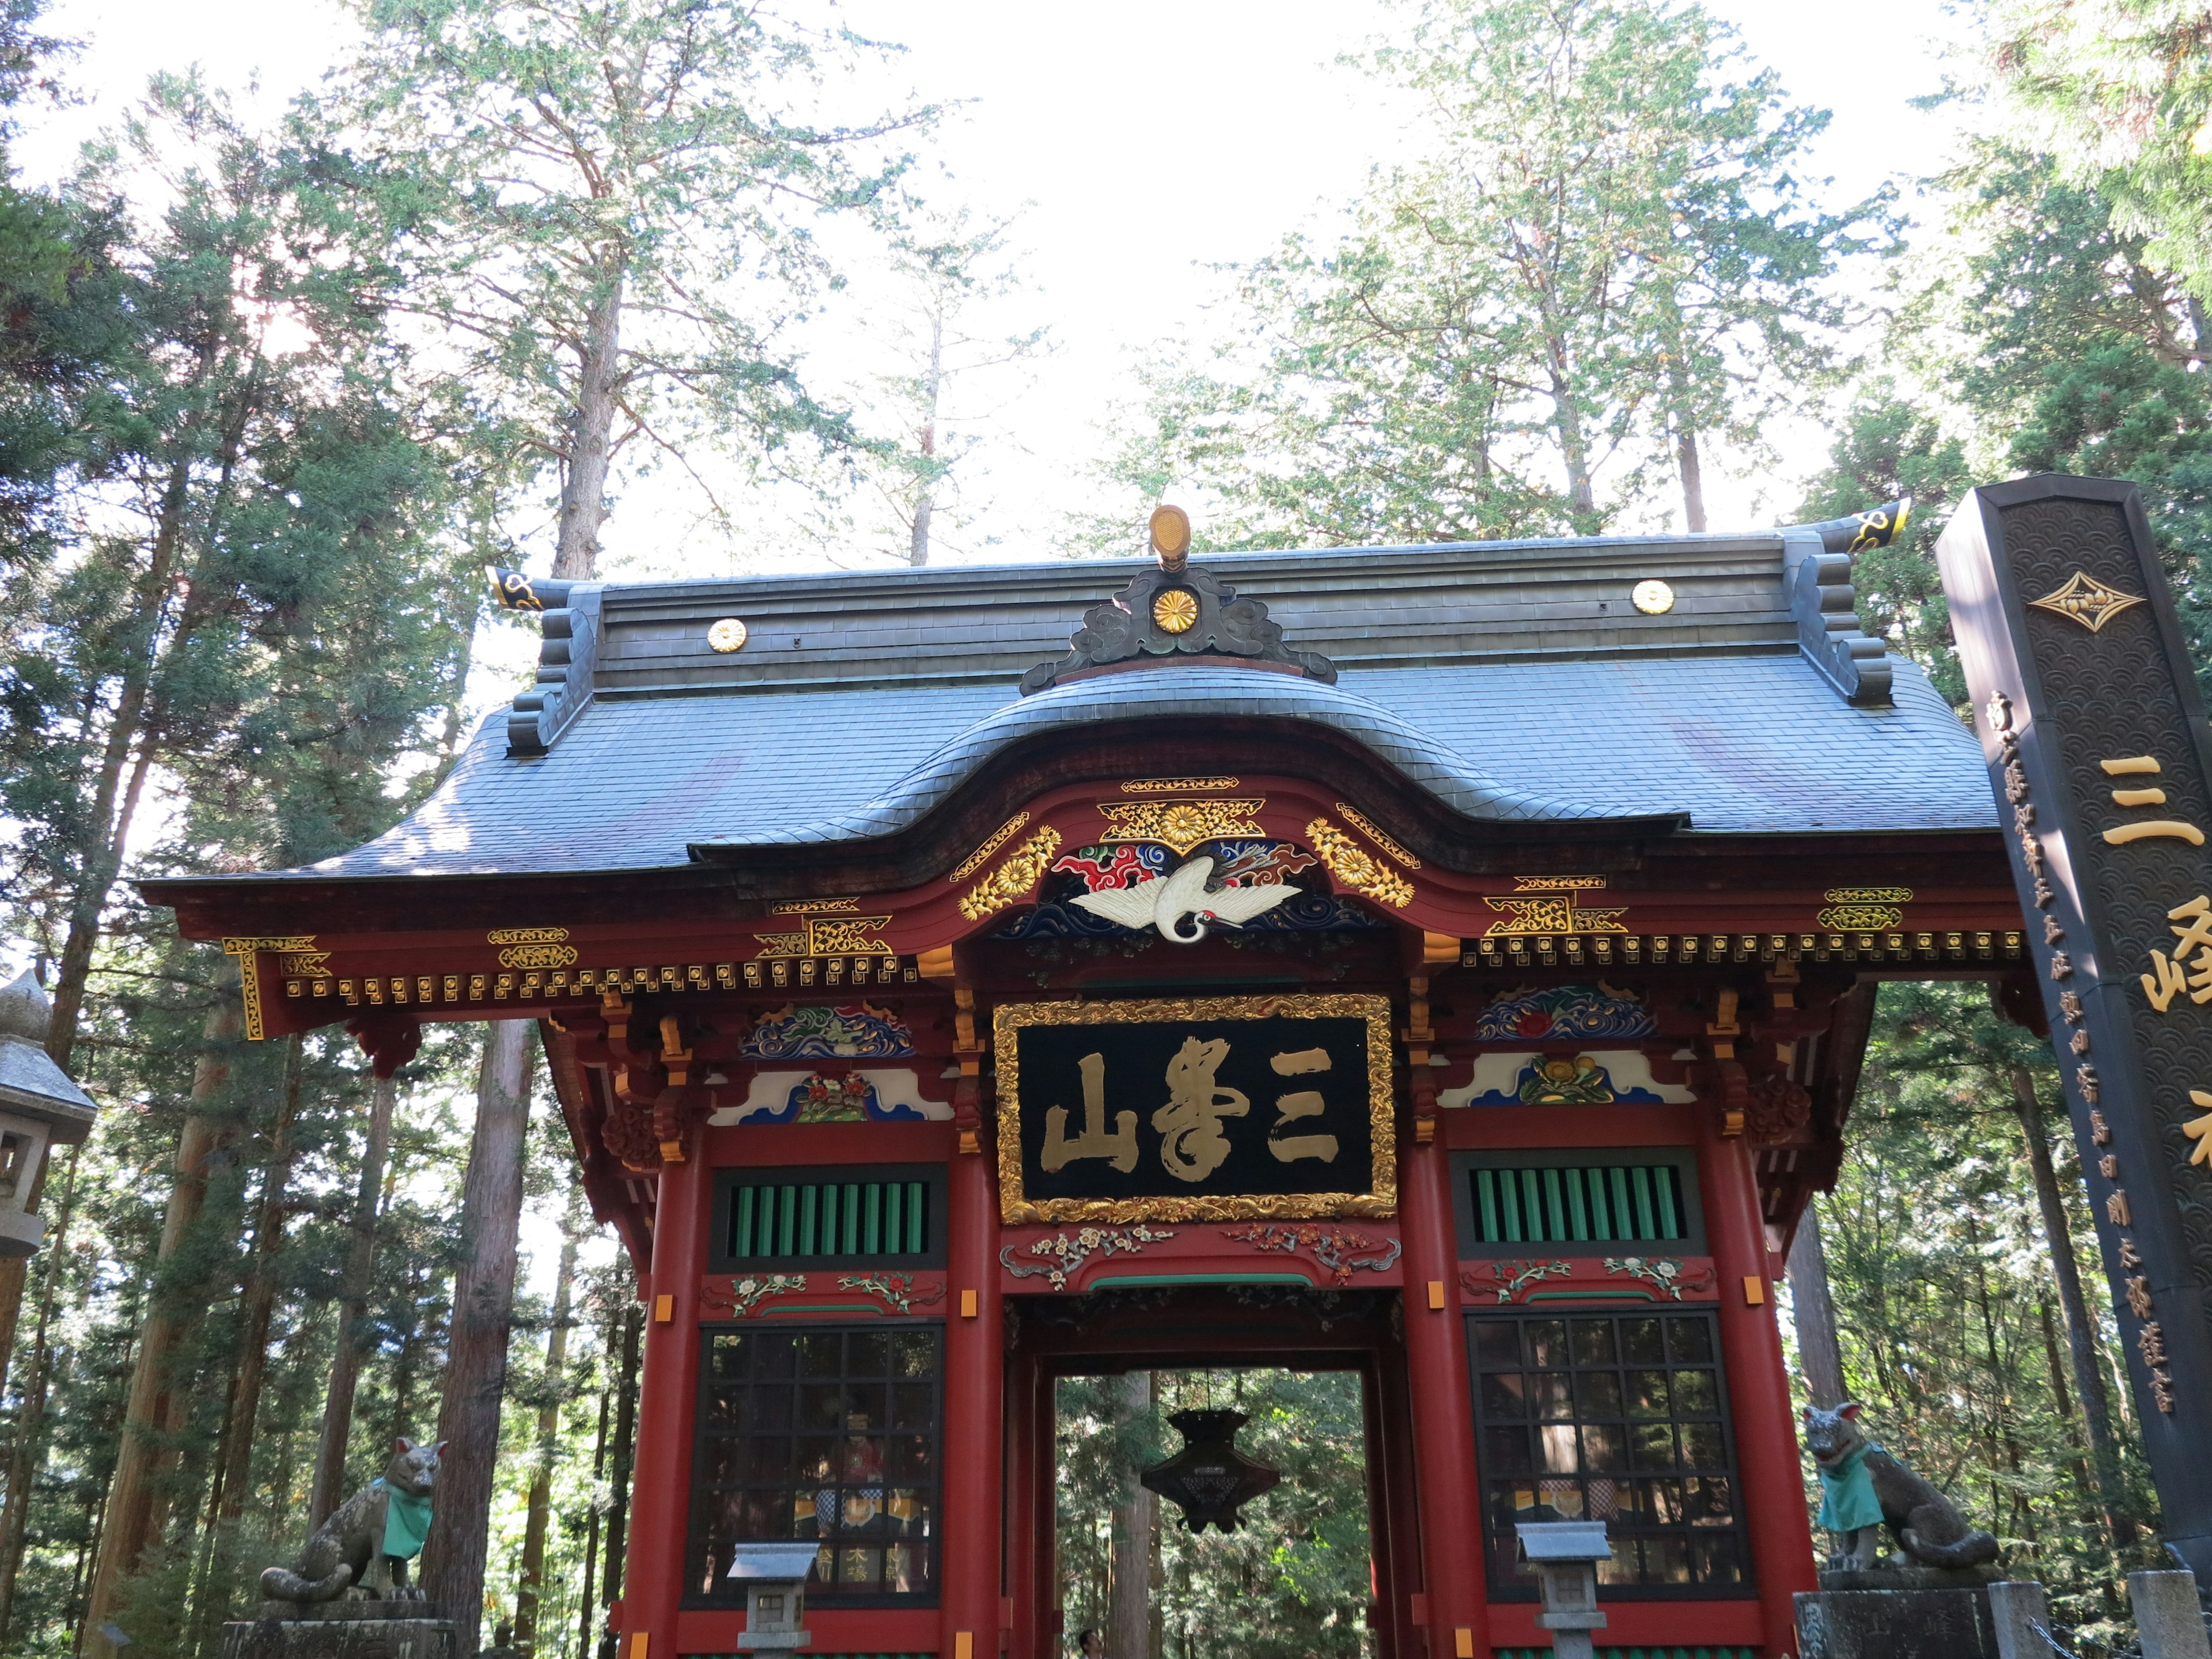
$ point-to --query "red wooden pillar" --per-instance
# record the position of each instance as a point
(974, 1376)
(668, 1393)
(1772, 1488)
(1443, 1419)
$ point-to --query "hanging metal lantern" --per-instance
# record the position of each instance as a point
(1209, 1480)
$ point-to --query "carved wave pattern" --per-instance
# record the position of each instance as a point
(1564, 1013)
(2112, 691)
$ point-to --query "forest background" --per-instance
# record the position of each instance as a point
(690, 286)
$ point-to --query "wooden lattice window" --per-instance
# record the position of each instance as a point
(828, 1216)
(823, 1432)
(1620, 1417)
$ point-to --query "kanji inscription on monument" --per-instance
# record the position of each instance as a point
(2090, 716)
(1210, 1108)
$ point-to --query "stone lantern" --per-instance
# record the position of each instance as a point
(774, 1578)
(1563, 1555)
(39, 1107)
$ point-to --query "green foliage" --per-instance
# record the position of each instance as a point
(609, 213)
(1951, 1331)
(1602, 256)
(1293, 1581)
(2122, 94)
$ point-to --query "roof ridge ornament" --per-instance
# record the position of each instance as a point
(1824, 601)
(1176, 609)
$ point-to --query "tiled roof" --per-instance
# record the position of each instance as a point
(1745, 746)
(1513, 681)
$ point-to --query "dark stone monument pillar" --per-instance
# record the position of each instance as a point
(2087, 709)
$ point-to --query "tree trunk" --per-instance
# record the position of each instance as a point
(532, 1590)
(233, 1476)
(1128, 1617)
(353, 1307)
(475, 1345)
(591, 438)
(925, 501)
(633, 1325)
(1819, 1348)
(586, 1600)
(27, 1456)
(2088, 1380)
(129, 1522)
(1693, 479)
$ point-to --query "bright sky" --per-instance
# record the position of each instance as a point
(1149, 140)
(1140, 145)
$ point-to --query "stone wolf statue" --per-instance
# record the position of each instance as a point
(1864, 1488)
(366, 1541)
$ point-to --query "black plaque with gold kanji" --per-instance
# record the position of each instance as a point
(1207, 1108)
(2089, 715)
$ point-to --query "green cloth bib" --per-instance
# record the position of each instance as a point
(1847, 1499)
(407, 1522)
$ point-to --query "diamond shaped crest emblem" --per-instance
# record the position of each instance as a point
(2088, 601)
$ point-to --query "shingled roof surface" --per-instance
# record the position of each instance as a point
(1515, 681)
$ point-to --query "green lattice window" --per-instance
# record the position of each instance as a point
(830, 1216)
(1581, 1204)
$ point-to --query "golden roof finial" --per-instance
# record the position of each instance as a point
(1170, 529)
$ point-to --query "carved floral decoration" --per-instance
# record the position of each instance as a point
(748, 1292)
(1662, 1273)
(1343, 1253)
(1515, 1277)
(1064, 1253)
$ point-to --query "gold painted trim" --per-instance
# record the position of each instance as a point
(1177, 786)
(247, 948)
(981, 856)
(1180, 824)
(1558, 883)
(1015, 1207)
(814, 907)
(1366, 826)
(1011, 881)
(538, 955)
(1358, 869)
(526, 936)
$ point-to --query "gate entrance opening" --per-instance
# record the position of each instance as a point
(1314, 1569)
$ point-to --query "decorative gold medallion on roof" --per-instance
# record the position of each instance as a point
(1170, 610)
(2086, 600)
(727, 634)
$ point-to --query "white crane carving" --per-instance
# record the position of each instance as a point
(1165, 901)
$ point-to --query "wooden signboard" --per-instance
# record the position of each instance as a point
(1207, 1108)
(2087, 706)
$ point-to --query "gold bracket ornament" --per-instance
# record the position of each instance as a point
(1013, 880)
(1367, 826)
(1180, 825)
(1178, 785)
(981, 856)
(2086, 600)
(1864, 909)
(1551, 915)
(248, 950)
(1354, 866)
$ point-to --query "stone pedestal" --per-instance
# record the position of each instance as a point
(342, 1629)
(1925, 1612)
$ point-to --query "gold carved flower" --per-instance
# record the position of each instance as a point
(1175, 610)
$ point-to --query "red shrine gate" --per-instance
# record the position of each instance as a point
(1469, 992)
